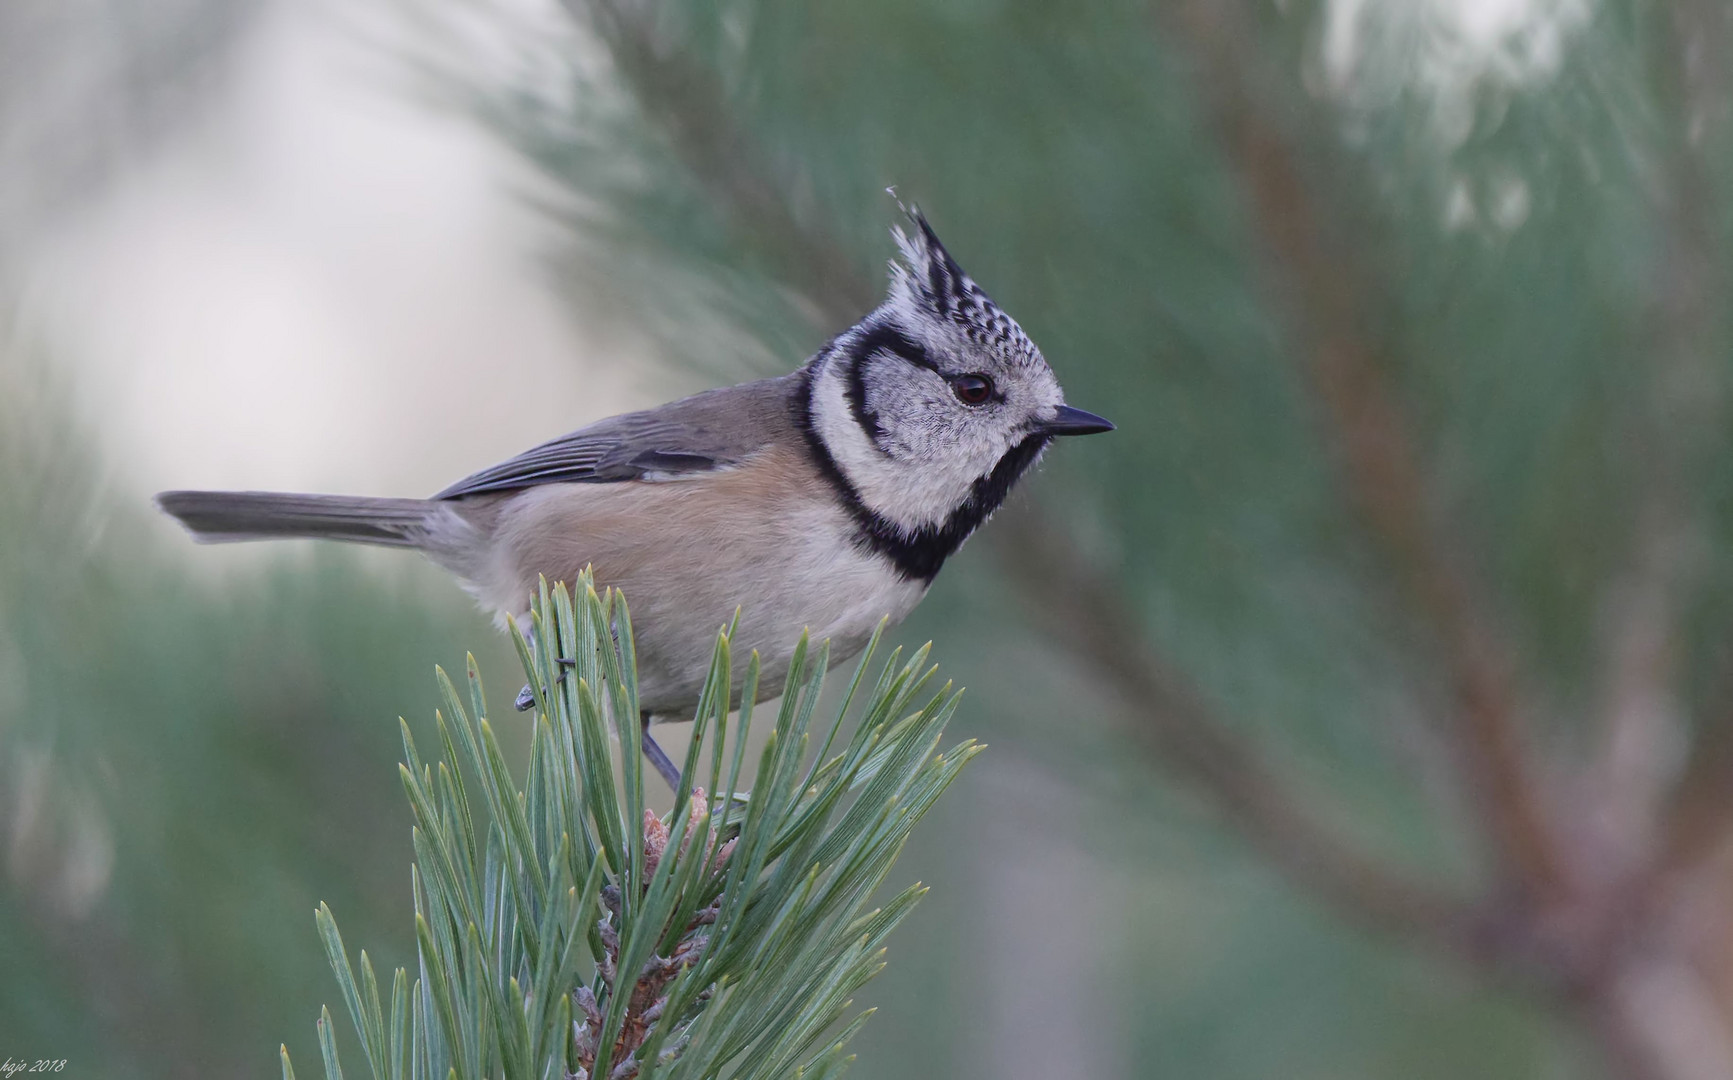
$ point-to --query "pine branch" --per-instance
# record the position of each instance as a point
(568, 932)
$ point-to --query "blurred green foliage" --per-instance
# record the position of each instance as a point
(1530, 236)
(187, 765)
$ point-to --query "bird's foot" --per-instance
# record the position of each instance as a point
(653, 753)
(526, 698)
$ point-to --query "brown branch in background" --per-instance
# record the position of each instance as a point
(1696, 822)
(1181, 730)
(1688, 391)
(1639, 709)
(1313, 264)
(1682, 407)
(1088, 619)
(1673, 911)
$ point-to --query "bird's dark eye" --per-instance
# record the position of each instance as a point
(972, 389)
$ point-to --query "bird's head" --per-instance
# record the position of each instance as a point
(934, 404)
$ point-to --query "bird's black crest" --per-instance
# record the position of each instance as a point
(934, 281)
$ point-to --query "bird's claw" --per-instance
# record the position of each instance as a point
(526, 698)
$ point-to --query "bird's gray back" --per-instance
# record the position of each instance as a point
(706, 431)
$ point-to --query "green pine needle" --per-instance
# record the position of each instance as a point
(564, 930)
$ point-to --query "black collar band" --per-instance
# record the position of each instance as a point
(917, 555)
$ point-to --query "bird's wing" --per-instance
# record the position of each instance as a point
(707, 431)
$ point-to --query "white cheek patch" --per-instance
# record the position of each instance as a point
(907, 493)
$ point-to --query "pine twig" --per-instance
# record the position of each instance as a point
(564, 929)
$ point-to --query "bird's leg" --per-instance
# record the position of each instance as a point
(527, 694)
(653, 753)
(659, 759)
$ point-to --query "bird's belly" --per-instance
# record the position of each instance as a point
(838, 597)
(830, 590)
(685, 560)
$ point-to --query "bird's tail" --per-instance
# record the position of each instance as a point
(215, 517)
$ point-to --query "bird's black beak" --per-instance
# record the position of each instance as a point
(1069, 421)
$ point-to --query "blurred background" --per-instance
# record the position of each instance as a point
(1360, 708)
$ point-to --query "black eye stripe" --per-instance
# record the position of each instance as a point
(880, 339)
(892, 340)
(864, 417)
(971, 388)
